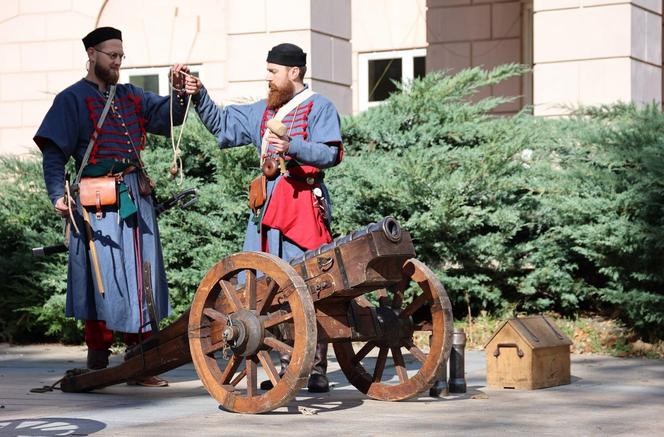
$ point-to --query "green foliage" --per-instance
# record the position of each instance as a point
(520, 213)
(515, 214)
(50, 317)
(27, 220)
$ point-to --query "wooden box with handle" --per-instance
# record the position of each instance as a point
(527, 353)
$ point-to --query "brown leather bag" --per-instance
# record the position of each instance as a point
(98, 192)
(145, 183)
(257, 193)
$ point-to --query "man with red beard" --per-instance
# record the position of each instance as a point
(107, 140)
(296, 215)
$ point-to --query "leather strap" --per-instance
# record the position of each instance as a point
(107, 106)
(282, 112)
(98, 204)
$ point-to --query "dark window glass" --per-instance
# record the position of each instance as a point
(381, 74)
(149, 82)
(419, 67)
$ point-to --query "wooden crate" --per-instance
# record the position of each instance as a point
(527, 353)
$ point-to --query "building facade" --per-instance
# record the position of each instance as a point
(580, 51)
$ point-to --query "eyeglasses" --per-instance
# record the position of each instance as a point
(113, 55)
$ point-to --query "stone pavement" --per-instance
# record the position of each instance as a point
(608, 396)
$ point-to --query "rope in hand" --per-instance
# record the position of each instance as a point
(176, 166)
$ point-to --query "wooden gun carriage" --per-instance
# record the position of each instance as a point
(251, 307)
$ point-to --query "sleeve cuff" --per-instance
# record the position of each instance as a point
(198, 98)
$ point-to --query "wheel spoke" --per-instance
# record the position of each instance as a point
(229, 292)
(363, 301)
(277, 318)
(269, 368)
(251, 376)
(213, 347)
(414, 306)
(266, 303)
(232, 366)
(383, 300)
(240, 376)
(399, 364)
(397, 299)
(278, 345)
(416, 351)
(380, 364)
(424, 325)
(216, 315)
(368, 347)
(250, 289)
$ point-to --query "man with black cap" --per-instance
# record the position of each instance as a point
(103, 126)
(295, 216)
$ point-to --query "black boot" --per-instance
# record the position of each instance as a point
(98, 358)
(318, 382)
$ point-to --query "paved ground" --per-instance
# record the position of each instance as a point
(608, 396)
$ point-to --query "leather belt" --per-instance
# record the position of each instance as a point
(130, 169)
(126, 171)
(309, 180)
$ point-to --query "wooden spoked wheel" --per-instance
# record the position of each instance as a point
(239, 306)
(415, 342)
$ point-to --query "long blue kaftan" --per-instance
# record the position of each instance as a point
(121, 244)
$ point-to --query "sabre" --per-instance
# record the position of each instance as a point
(93, 251)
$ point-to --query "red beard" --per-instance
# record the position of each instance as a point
(110, 77)
(278, 97)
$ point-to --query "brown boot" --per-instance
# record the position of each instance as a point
(98, 358)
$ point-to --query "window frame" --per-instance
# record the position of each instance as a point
(407, 66)
(161, 72)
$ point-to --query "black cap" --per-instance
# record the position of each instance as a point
(100, 35)
(286, 54)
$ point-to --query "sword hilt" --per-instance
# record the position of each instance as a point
(49, 250)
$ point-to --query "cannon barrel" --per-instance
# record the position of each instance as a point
(390, 227)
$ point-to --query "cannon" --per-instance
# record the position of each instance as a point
(386, 314)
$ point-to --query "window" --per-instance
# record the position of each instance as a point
(379, 71)
(153, 79)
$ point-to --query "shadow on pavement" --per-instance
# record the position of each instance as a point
(50, 426)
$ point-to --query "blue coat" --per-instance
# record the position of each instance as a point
(121, 244)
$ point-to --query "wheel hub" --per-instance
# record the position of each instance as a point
(244, 333)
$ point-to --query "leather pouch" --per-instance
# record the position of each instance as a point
(98, 192)
(270, 168)
(145, 184)
(257, 193)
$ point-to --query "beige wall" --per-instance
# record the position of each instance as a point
(589, 52)
(41, 53)
(486, 33)
(320, 27)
